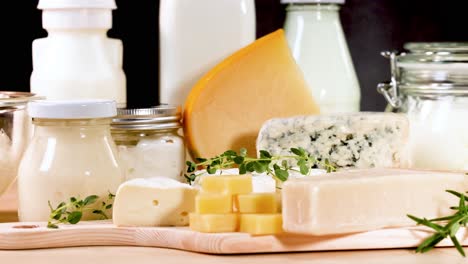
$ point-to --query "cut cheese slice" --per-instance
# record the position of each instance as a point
(362, 200)
(227, 107)
(153, 202)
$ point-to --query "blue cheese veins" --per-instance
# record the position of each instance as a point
(360, 140)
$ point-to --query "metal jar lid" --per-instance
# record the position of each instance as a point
(10, 100)
(437, 68)
(154, 118)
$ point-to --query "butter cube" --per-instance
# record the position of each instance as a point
(208, 203)
(227, 184)
(257, 203)
(261, 224)
(214, 223)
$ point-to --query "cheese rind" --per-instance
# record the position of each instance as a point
(359, 140)
(213, 203)
(257, 203)
(153, 202)
(227, 184)
(214, 223)
(362, 200)
(261, 224)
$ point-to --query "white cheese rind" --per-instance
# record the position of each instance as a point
(360, 140)
(153, 202)
(363, 200)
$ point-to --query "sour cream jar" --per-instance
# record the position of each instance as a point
(430, 83)
(150, 142)
(72, 154)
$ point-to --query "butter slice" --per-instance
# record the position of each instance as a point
(362, 200)
(153, 202)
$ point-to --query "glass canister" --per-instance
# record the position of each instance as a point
(430, 83)
(71, 154)
(150, 142)
(319, 46)
(14, 133)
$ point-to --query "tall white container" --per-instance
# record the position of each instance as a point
(77, 60)
(315, 36)
(195, 36)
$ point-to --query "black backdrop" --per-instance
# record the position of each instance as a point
(370, 27)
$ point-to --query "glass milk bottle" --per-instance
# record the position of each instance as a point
(315, 36)
(195, 35)
(77, 60)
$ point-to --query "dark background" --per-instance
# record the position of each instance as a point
(370, 26)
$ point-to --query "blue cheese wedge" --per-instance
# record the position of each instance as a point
(360, 140)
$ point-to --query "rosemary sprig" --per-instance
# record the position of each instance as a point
(72, 211)
(450, 229)
(276, 166)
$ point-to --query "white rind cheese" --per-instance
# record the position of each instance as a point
(155, 201)
(360, 140)
(363, 200)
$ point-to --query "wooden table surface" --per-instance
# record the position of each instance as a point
(142, 255)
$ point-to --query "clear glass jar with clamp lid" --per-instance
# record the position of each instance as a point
(149, 142)
(430, 83)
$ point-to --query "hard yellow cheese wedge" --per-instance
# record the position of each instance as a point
(261, 224)
(227, 107)
(213, 203)
(257, 203)
(229, 184)
(214, 223)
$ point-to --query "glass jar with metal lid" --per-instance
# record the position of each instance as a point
(149, 142)
(430, 83)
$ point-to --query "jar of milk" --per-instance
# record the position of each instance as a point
(71, 154)
(430, 83)
(150, 143)
(77, 60)
(318, 44)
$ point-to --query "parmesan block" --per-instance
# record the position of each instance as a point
(358, 140)
(362, 200)
(153, 202)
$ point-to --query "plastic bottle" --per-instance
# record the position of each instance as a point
(195, 35)
(77, 60)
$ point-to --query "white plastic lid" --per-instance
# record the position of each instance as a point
(312, 1)
(72, 109)
(76, 4)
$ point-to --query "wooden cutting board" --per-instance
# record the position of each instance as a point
(102, 233)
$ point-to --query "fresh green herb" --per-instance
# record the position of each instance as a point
(276, 166)
(450, 229)
(72, 211)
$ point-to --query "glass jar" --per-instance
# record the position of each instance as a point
(318, 44)
(150, 142)
(430, 83)
(71, 154)
(14, 133)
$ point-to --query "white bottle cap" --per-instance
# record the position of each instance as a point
(312, 1)
(72, 109)
(73, 4)
(72, 14)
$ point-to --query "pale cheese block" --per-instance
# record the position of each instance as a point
(358, 140)
(154, 202)
(362, 200)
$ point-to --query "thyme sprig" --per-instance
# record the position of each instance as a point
(276, 166)
(72, 211)
(450, 229)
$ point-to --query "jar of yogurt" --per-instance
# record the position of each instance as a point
(71, 154)
(150, 142)
(430, 83)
